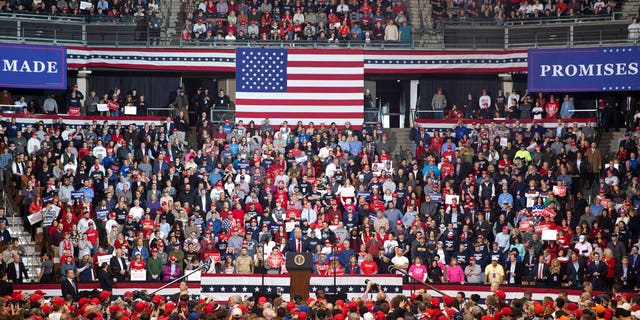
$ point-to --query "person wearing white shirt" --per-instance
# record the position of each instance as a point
(136, 211)
(485, 100)
(400, 261)
(33, 145)
(83, 223)
(99, 151)
(111, 222)
(324, 152)
(331, 169)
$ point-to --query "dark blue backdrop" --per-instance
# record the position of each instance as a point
(584, 69)
(29, 66)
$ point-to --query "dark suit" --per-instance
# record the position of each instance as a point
(17, 276)
(518, 273)
(597, 280)
(629, 106)
(542, 277)
(529, 263)
(68, 288)
(575, 274)
(106, 280)
(292, 246)
(115, 267)
(6, 288)
(626, 277)
(5, 236)
(204, 202)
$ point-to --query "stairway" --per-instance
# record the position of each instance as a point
(630, 9)
(420, 19)
(608, 143)
(403, 148)
(31, 259)
(171, 11)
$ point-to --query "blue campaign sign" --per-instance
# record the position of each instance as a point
(29, 66)
(584, 70)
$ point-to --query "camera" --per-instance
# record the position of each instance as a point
(373, 284)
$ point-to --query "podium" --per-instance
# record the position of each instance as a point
(299, 266)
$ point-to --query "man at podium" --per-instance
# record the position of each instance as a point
(297, 244)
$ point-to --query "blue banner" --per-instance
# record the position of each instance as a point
(28, 66)
(584, 70)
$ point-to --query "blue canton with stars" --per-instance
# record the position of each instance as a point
(261, 70)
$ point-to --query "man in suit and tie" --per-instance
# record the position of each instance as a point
(542, 272)
(529, 262)
(575, 271)
(625, 276)
(514, 270)
(297, 244)
(16, 270)
(69, 285)
(160, 165)
(634, 259)
(597, 270)
(118, 266)
(203, 201)
(629, 106)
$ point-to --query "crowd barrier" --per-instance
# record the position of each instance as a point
(247, 285)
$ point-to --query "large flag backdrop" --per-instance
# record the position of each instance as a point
(299, 84)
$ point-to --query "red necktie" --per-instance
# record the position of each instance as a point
(299, 246)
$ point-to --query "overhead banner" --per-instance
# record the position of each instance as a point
(29, 66)
(584, 70)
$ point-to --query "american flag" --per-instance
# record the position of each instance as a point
(299, 84)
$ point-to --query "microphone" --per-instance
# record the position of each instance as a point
(206, 264)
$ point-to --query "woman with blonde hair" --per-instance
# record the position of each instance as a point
(609, 259)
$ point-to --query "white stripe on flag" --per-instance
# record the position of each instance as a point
(303, 96)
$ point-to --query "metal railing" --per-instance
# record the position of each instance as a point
(160, 112)
(218, 116)
(10, 108)
(542, 35)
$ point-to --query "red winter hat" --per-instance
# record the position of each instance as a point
(140, 306)
(46, 309)
(500, 294)
(105, 295)
(16, 295)
(435, 303)
(57, 301)
(35, 298)
(448, 301)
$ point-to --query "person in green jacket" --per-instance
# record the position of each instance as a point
(154, 266)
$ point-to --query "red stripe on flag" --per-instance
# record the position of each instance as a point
(325, 64)
(325, 77)
(323, 115)
(308, 102)
(325, 90)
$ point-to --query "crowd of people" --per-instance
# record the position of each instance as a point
(612, 111)
(491, 204)
(320, 21)
(100, 10)
(503, 11)
(369, 306)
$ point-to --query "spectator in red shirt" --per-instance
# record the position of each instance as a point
(368, 266)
